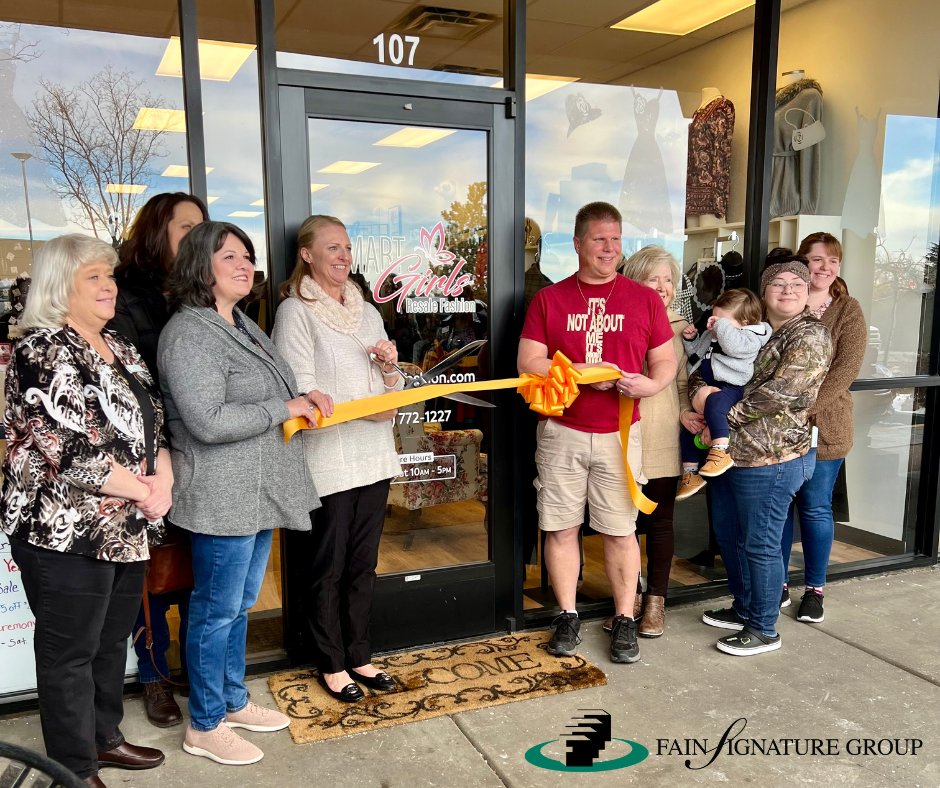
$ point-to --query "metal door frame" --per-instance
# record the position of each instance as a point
(457, 601)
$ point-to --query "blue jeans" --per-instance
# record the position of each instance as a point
(227, 573)
(814, 503)
(749, 541)
(730, 539)
(149, 670)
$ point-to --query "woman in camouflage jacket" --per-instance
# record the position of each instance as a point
(771, 437)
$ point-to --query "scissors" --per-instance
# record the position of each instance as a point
(429, 377)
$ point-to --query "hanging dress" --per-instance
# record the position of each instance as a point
(644, 198)
(862, 211)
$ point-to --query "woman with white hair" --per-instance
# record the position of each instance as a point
(655, 267)
(85, 477)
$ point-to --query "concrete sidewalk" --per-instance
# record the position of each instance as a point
(871, 671)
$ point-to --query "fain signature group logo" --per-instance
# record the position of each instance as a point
(587, 737)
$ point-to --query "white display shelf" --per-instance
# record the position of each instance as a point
(785, 231)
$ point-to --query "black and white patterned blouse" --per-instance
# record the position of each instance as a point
(68, 412)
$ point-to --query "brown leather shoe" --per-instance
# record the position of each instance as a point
(637, 606)
(162, 709)
(130, 756)
(94, 781)
(654, 617)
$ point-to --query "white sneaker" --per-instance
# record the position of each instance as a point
(221, 745)
(257, 718)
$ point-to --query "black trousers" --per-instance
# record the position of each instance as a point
(660, 539)
(346, 533)
(84, 611)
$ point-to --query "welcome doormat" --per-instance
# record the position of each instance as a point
(433, 682)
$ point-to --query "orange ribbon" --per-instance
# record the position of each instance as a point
(549, 395)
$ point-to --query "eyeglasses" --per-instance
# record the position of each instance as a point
(794, 287)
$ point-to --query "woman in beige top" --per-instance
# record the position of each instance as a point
(654, 267)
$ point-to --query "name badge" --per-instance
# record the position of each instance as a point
(134, 368)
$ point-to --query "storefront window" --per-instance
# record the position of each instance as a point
(228, 60)
(86, 140)
(875, 499)
(458, 42)
(88, 126)
(655, 123)
(856, 154)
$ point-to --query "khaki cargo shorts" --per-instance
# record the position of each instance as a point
(583, 467)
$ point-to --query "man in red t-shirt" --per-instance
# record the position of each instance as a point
(596, 318)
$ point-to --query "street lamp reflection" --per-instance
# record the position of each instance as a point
(22, 158)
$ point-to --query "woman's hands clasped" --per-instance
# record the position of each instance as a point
(158, 502)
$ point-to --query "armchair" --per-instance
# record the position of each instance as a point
(468, 479)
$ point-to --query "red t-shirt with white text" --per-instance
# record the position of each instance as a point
(588, 329)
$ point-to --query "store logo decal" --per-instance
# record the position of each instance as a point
(418, 278)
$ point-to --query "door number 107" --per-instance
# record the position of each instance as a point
(396, 48)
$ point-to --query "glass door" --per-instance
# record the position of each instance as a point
(410, 179)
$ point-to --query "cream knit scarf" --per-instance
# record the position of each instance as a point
(346, 318)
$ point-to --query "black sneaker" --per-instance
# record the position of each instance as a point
(623, 643)
(811, 608)
(748, 642)
(785, 598)
(565, 638)
(724, 618)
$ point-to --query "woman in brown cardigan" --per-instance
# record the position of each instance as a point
(829, 300)
(654, 267)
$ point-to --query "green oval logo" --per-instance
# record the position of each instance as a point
(638, 753)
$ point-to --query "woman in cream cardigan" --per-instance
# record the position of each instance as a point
(654, 267)
(335, 342)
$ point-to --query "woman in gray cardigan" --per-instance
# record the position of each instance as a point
(227, 391)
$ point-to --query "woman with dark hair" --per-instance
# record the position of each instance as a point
(227, 390)
(830, 302)
(139, 316)
(86, 480)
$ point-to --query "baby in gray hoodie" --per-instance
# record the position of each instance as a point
(723, 359)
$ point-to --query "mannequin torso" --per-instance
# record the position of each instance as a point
(708, 96)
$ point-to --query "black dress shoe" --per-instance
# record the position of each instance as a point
(94, 781)
(351, 693)
(380, 681)
(130, 756)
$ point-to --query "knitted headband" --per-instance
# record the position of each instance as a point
(791, 266)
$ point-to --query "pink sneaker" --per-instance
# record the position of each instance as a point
(221, 745)
(257, 718)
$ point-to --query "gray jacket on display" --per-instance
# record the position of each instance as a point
(225, 401)
(732, 357)
(794, 183)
